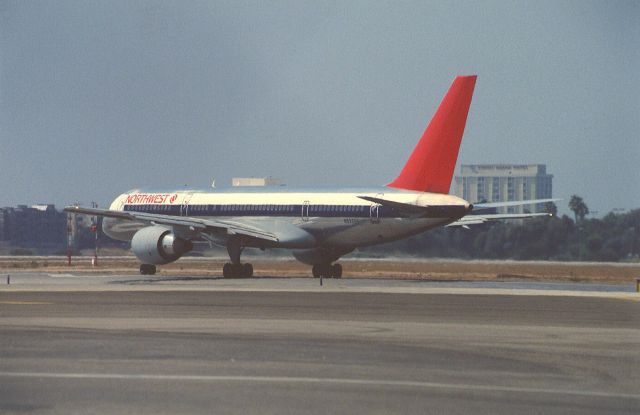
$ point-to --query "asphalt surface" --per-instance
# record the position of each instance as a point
(287, 346)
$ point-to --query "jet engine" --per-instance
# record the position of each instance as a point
(158, 245)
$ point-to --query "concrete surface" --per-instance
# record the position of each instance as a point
(74, 344)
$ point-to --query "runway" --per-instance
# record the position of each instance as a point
(186, 345)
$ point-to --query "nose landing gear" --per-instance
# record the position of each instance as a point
(327, 271)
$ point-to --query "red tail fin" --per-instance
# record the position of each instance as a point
(430, 166)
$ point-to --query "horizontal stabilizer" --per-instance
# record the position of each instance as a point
(402, 207)
(438, 211)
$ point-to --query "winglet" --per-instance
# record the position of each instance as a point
(430, 166)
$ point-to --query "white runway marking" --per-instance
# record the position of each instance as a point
(310, 380)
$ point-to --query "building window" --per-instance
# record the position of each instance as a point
(480, 190)
(465, 188)
(495, 189)
(510, 189)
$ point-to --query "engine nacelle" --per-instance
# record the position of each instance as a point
(158, 245)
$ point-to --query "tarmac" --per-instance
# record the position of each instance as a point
(164, 345)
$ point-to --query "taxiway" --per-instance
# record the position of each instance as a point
(122, 344)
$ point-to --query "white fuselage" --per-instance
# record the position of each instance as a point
(336, 217)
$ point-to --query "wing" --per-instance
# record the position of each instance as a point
(206, 226)
(479, 219)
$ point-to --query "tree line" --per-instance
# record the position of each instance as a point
(615, 237)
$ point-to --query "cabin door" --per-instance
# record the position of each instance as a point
(374, 213)
(184, 208)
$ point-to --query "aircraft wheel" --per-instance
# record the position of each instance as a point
(227, 270)
(322, 270)
(147, 269)
(336, 271)
(237, 270)
(247, 270)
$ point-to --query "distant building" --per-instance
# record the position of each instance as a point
(503, 183)
(35, 226)
(255, 181)
(44, 230)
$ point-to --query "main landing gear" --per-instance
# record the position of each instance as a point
(235, 269)
(147, 269)
(327, 271)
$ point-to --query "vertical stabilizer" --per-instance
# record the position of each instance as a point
(430, 167)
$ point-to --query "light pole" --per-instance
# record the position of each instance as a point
(94, 229)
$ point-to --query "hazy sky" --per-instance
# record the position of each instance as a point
(100, 97)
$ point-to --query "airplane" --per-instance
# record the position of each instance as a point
(319, 226)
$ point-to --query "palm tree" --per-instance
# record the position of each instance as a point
(579, 208)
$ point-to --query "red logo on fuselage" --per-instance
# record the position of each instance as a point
(150, 198)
